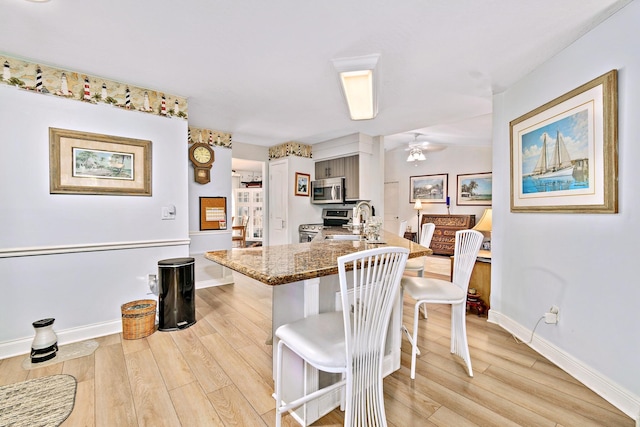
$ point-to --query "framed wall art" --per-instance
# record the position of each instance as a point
(213, 213)
(90, 163)
(564, 154)
(302, 184)
(474, 189)
(429, 188)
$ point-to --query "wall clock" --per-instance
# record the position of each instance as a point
(202, 157)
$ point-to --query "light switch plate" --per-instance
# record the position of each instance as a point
(168, 212)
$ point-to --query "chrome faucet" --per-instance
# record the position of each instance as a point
(363, 209)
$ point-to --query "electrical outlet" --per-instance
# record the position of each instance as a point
(551, 317)
(152, 280)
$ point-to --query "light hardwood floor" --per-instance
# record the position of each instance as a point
(218, 373)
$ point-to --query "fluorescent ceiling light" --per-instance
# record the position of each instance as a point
(357, 79)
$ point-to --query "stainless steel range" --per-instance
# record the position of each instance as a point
(331, 217)
(308, 231)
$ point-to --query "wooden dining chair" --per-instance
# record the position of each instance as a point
(350, 342)
(239, 233)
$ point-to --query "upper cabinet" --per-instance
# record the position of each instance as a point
(357, 157)
(348, 167)
(330, 168)
(352, 177)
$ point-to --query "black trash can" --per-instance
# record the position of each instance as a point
(177, 298)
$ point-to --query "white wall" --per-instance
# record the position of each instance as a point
(77, 258)
(300, 209)
(242, 150)
(219, 186)
(583, 263)
(372, 175)
(453, 161)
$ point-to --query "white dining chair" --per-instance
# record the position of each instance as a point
(437, 291)
(416, 265)
(403, 228)
(350, 342)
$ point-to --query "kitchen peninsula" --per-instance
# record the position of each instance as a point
(282, 264)
(305, 281)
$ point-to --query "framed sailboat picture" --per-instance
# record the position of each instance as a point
(564, 154)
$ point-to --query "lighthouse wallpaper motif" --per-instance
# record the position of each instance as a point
(211, 137)
(81, 87)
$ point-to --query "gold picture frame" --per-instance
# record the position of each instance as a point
(474, 189)
(302, 184)
(91, 163)
(564, 154)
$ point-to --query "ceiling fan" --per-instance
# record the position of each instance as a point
(417, 148)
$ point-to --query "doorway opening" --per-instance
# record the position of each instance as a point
(248, 202)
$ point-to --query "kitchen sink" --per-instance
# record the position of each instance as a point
(352, 237)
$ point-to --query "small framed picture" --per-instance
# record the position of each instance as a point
(302, 184)
(474, 189)
(429, 188)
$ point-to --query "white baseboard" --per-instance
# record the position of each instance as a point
(214, 282)
(67, 336)
(618, 396)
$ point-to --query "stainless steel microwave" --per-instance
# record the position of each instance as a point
(330, 190)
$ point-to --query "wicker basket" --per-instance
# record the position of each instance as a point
(138, 319)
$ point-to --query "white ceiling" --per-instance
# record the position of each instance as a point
(262, 70)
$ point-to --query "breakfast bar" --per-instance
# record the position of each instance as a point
(305, 282)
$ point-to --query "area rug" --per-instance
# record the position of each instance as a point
(65, 352)
(40, 402)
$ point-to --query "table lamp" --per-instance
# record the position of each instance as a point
(484, 226)
(418, 207)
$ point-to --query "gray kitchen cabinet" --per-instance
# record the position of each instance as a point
(362, 160)
(322, 169)
(330, 168)
(348, 167)
(352, 177)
